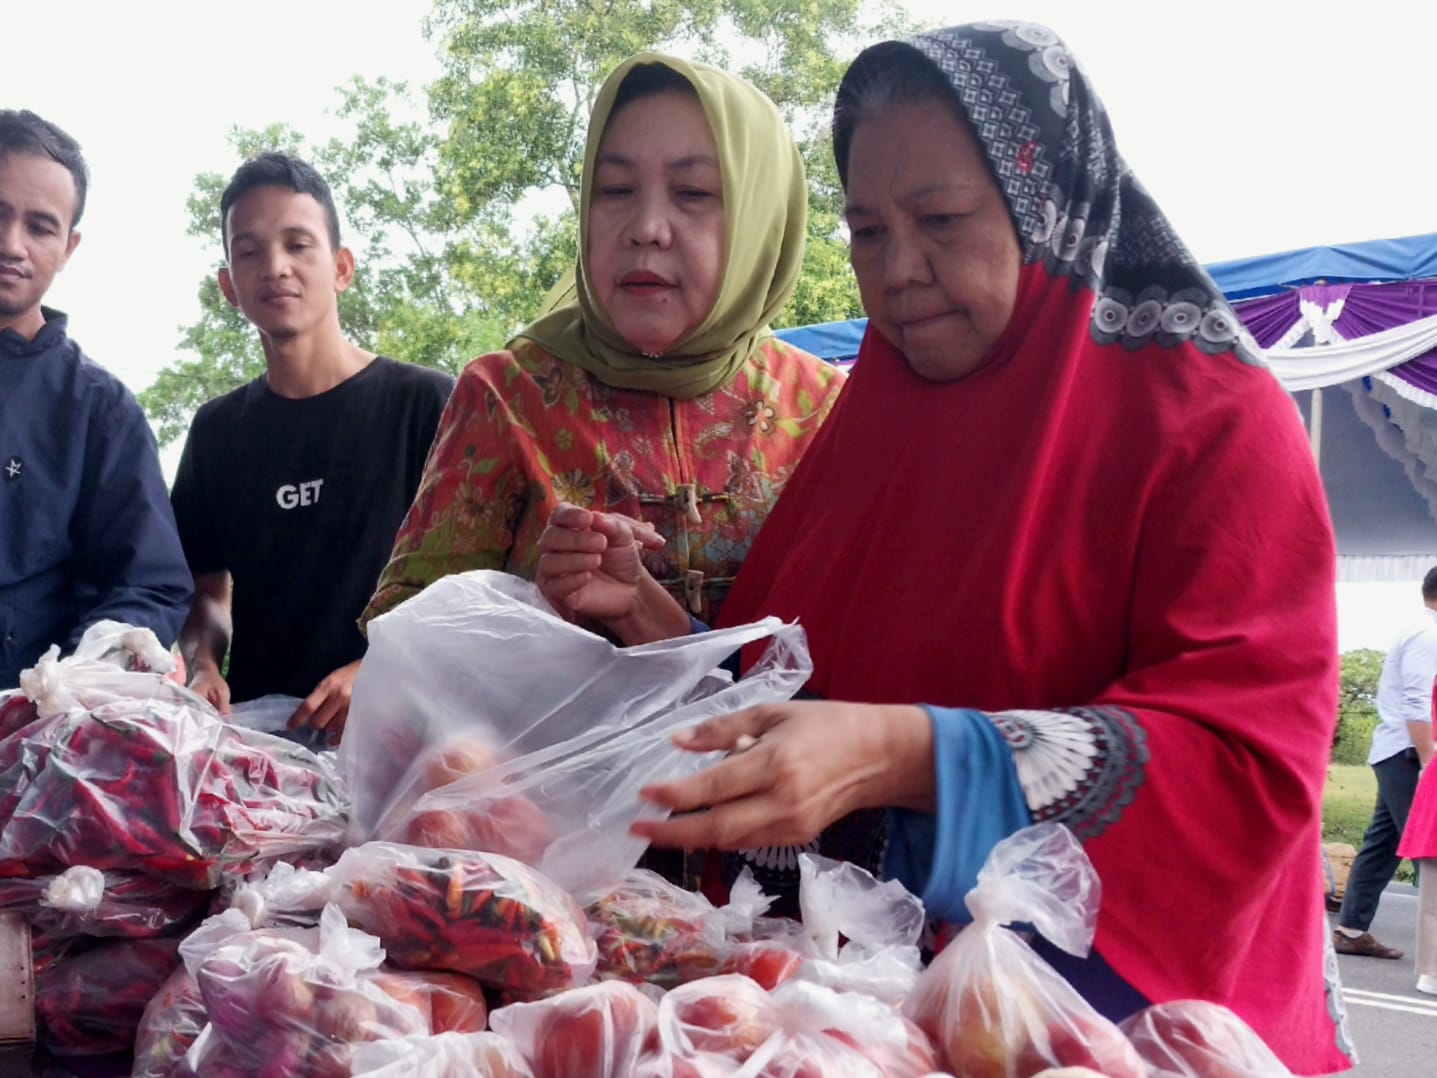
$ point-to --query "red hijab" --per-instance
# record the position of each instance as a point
(1111, 537)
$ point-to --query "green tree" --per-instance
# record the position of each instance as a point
(1357, 705)
(462, 219)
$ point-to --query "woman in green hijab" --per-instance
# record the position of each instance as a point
(652, 388)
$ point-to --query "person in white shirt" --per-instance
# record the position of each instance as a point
(1401, 747)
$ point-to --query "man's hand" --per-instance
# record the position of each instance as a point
(1421, 734)
(327, 708)
(209, 683)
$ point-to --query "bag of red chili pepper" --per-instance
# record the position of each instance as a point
(17, 711)
(113, 661)
(163, 787)
(536, 749)
(83, 901)
(172, 1021)
(91, 1003)
(482, 914)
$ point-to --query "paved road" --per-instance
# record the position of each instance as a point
(1393, 1025)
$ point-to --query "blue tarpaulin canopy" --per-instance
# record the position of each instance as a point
(1410, 258)
(1385, 527)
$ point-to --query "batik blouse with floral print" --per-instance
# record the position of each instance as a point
(524, 431)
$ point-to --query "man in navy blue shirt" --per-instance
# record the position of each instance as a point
(86, 529)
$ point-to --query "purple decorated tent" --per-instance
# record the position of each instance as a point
(1352, 332)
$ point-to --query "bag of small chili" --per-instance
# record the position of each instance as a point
(484, 914)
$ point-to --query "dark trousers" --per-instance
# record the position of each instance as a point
(1377, 860)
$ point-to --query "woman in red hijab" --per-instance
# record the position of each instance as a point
(1063, 506)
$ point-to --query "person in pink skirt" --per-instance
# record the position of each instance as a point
(1419, 845)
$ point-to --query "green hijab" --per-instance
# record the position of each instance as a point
(765, 202)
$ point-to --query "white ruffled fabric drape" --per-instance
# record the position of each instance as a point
(1343, 360)
(1402, 417)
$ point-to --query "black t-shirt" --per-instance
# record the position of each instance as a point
(300, 501)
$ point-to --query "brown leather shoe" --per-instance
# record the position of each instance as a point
(1364, 945)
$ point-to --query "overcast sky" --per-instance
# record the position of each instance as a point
(1258, 126)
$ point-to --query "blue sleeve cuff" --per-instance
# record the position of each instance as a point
(696, 626)
(980, 803)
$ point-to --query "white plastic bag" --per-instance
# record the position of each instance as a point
(113, 661)
(445, 1055)
(992, 1007)
(292, 1001)
(1196, 1039)
(482, 720)
(879, 924)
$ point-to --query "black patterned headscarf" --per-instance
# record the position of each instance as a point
(1076, 205)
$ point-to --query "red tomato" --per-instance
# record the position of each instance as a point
(727, 1015)
(596, 1032)
(765, 963)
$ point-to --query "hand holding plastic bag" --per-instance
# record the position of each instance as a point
(482, 720)
(990, 1004)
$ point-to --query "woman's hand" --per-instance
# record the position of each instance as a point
(793, 769)
(590, 567)
(589, 564)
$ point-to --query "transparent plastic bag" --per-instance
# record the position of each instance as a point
(91, 1003)
(860, 934)
(482, 720)
(445, 1055)
(729, 1025)
(604, 1031)
(827, 1034)
(83, 901)
(280, 894)
(480, 914)
(171, 1022)
(113, 661)
(649, 930)
(993, 1008)
(293, 1001)
(161, 786)
(729, 1016)
(271, 715)
(17, 711)
(1196, 1039)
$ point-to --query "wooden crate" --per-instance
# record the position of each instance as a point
(17, 982)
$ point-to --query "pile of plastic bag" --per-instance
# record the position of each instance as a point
(457, 894)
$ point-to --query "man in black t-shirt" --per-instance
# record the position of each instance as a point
(291, 488)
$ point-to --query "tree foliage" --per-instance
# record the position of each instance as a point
(463, 218)
(1357, 705)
